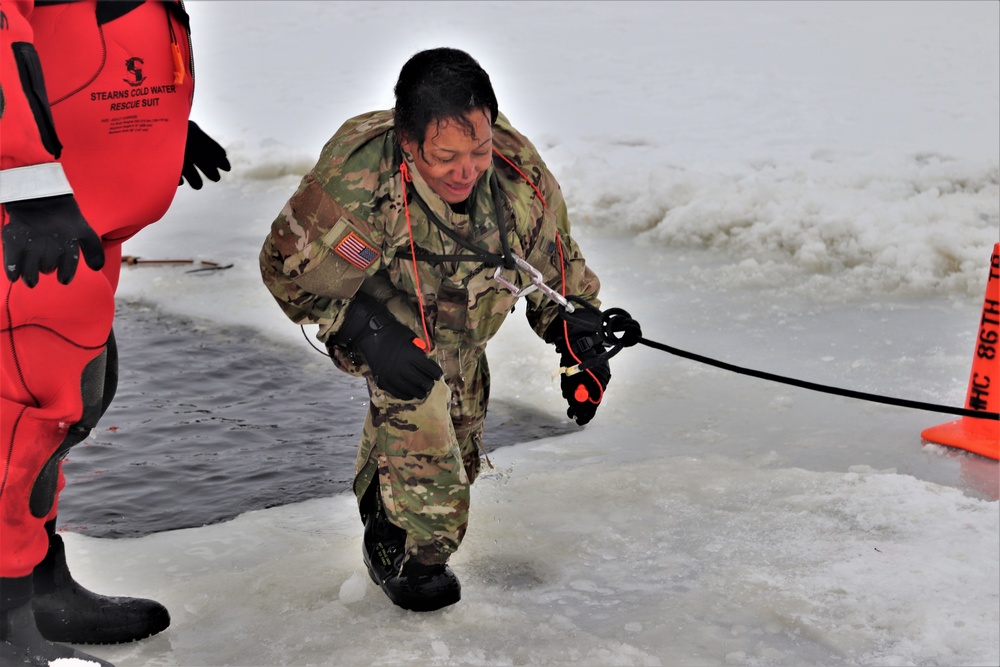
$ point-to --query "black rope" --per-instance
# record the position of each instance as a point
(311, 344)
(849, 393)
(619, 330)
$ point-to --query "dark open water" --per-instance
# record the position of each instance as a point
(211, 421)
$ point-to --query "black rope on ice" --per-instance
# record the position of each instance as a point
(619, 330)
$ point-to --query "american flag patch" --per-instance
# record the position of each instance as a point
(356, 251)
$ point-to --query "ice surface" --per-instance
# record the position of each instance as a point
(804, 188)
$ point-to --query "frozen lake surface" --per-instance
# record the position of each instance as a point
(809, 189)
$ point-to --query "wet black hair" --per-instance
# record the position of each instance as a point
(437, 85)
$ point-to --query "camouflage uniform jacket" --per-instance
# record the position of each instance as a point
(343, 228)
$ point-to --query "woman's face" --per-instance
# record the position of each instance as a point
(452, 160)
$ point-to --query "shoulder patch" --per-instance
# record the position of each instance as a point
(355, 250)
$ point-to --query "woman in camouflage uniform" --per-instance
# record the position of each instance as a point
(391, 245)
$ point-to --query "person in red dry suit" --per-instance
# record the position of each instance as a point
(91, 153)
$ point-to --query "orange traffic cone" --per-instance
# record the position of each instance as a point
(980, 436)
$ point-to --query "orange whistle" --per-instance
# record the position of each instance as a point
(178, 64)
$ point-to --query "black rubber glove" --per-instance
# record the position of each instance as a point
(578, 343)
(202, 152)
(399, 365)
(45, 235)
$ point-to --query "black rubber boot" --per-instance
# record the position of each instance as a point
(20, 641)
(413, 586)
(67, 612)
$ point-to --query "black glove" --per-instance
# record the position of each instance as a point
(578, 343)
(394, 355)
(45, 235)
(202, 152)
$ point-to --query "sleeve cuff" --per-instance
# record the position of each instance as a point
(33, 182)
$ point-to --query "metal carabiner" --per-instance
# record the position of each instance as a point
(537, 282)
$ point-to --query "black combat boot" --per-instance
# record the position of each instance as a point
(67, 612)
(20, 641)
(414, 586)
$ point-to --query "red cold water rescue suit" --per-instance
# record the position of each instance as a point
(106, 129)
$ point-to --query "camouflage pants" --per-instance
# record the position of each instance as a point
(425, 454)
